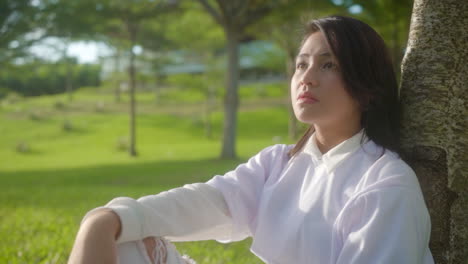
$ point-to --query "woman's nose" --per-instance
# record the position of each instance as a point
(309, 78)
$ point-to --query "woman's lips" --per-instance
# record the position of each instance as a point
(307, 98)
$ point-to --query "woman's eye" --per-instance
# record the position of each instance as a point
(301, 65)
(328, 66)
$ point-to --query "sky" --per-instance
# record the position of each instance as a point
(85, 52)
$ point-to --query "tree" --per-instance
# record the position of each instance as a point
(62, 23)
(391, 19)
(435, 127)
(156, 41)
(234, 17)
(206, 39)
(17, 19)
(129, 15)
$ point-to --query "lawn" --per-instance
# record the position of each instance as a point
(60, 159)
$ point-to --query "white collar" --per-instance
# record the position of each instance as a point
(337, 154)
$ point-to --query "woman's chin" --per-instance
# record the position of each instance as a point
(305, 119)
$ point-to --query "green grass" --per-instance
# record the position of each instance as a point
(45, 191)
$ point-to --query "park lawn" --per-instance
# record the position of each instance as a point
(46, 190)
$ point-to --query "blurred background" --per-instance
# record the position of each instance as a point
(100, 99)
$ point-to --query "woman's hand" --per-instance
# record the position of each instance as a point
(95, 241)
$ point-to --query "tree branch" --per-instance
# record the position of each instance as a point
(254, 16)
(212, 11)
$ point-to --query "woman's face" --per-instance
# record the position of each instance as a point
(318, 92)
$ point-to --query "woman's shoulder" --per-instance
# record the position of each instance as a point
(388, 170)
(276, 152)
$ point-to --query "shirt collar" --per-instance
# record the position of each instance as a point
(337, 154)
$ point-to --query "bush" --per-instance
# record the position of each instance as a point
(99, 107)
(43, 77)
(59, 105)
(3, 92)
(23, 147)
(12, 97)
(35, 116)
(122, 144)
(67, 126)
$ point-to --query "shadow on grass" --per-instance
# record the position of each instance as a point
(93, 186)
(30, 152)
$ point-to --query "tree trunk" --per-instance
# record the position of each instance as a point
(231, 100)
(69, 79)
(209, 107)
(118, 81)
(68, 73)
(132, 148)
(435, 127)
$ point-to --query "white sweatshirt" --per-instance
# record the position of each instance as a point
(354, 204)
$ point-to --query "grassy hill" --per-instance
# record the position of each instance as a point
(61, 158)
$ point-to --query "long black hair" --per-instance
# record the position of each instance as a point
(367, 72)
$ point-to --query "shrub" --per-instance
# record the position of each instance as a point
(67, 126)
(23, 147)
(35, 116)
(99, 107)
(12, 97)
(122, 144)
(59, 105)
(3, 92)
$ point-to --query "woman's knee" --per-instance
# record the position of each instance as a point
(156, 249)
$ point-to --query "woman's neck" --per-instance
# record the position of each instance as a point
(328, 138)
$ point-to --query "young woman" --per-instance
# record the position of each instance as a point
(340, 195)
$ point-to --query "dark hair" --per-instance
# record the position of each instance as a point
(367, 72)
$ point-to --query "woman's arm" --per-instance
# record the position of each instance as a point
(189, 213)
(192, 212)
(95, 241)
(385, 225)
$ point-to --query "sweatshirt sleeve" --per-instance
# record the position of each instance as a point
(242, 188)
(219, 209)
(386, 225)
(189, 213)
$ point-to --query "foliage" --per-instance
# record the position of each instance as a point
(205, 37)
(39, 77)
(391, 19)
(17, 18)
(235, 17)
(267, 56)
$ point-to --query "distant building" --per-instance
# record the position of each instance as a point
(259, 60)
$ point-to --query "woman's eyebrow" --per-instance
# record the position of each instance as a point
(307, 55)
(302, 55)
(325, 54)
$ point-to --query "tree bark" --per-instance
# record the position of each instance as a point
(132, 148)
(210, 101)
(435, 127)
(117, 70)
(69, 79)
(231, 100)
(68, 73)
